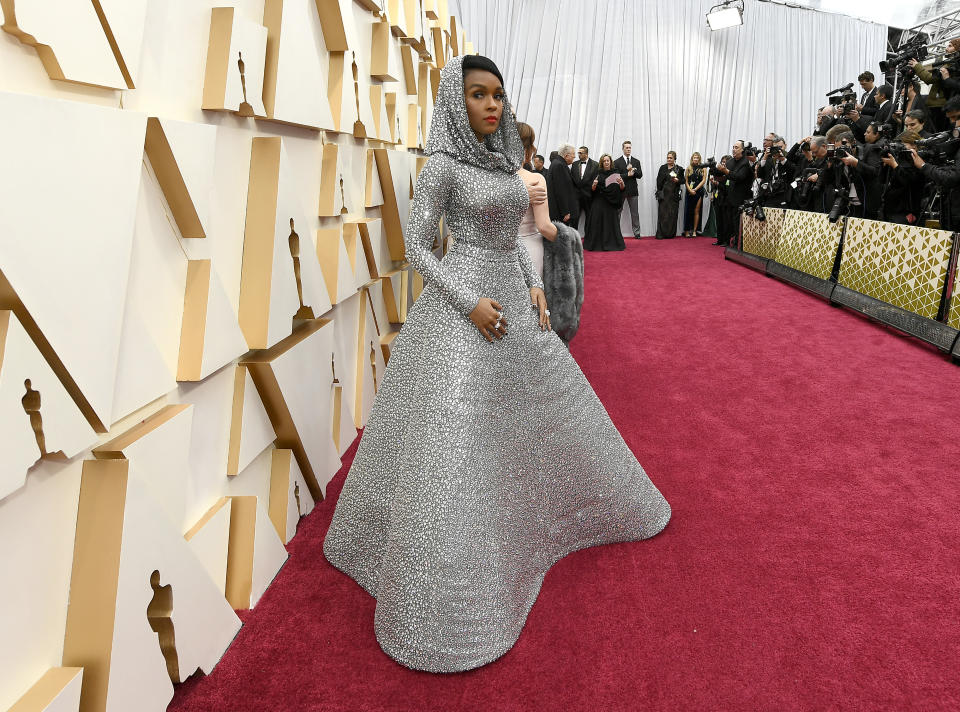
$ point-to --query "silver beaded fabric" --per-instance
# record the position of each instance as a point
(481, 464)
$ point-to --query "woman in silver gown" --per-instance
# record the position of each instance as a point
(484, 461)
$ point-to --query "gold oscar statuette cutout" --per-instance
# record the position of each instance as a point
(159, 612)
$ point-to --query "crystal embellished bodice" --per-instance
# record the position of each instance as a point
(486, 207)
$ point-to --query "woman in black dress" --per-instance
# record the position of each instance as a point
(603, 229)
(695, 178)
(669, 184)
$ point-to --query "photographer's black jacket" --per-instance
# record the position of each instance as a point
(948, 178)
(739, 181)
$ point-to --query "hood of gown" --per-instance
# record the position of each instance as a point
(450, 130)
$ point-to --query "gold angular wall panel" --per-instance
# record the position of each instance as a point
(96, 182)
(281, 281)
(233, 79)
(289, 496)
(250, 429)
(126, 557)
(58, 690)
(902, 265)
(295, 386)
(808, 243)
(333, 18)
(68, 38)
(294, 81)
(38, 418)
(382, 62)
(173, 178)
(205, 306)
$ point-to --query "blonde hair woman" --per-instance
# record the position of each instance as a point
(695, 177)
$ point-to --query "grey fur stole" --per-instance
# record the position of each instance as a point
(563, 280)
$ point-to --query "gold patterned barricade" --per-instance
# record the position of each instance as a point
(897, 274)
(806, 251)
(760, 237)
(902, 265)
(808, 243)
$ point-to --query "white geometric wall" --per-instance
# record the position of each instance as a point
(179, 334)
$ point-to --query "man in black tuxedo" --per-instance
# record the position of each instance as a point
(630, 170)
(868, 102)
(562, 194)
(738, 180)
(538, 165)
(584, 170)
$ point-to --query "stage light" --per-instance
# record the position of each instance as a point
(728, 14)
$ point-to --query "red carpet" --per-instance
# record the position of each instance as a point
(812, 563)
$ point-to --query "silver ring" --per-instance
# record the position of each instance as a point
(497, 325)
(547, 312)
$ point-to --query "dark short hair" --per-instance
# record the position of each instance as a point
(876, 126)
(886, 90)
(918, 115)
(476, 61)
(540, 157)
(625, 143)
(953, 105)
(554, 154)
(865, 77)
(585, 150)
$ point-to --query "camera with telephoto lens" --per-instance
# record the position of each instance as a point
(749, 149)
(711, 165)
(898, 150)
(835, 151)
(939, 149)
(775, 151)
(754, 209)
(915, 48)
(950, 60)
(840, 206)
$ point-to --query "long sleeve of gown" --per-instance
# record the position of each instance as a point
(430, 198)
(530, 275)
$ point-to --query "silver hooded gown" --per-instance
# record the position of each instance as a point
(482, 464)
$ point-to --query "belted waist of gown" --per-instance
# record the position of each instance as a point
(484, 253)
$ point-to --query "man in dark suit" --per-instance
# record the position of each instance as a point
(538, 165)
(584, 170)
(562, 195)
(630, 170)
(738, 180)
(868, 101)
(863, 168)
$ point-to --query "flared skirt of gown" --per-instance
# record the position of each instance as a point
(481, 465)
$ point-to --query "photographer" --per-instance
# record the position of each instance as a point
(718, 199)
(943, 85)
(862, 168)
(916, 121)
(826, 119)
(776, 176)
(946, 176)
(738, 179)
(814, 177)
(867, 105)
(905, 186)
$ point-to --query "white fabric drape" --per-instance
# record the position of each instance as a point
(598, 72)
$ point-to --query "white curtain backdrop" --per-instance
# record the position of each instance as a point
(598, 72)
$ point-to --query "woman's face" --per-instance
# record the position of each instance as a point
(671, 160)
(607, 165)
(695, 160)
(483, 96)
